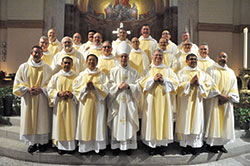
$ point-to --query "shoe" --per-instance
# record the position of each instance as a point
(184, 151)
(32, 148)
(212, 149)
(152, 151)
(42, 148)
(222, 149)
(162, 151)
(128, 152)
(116, 152)
(102, 152)
(192, 150)
(61, 152)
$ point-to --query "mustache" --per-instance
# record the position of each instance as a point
(222, 60)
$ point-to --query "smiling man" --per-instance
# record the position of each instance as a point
(90, 90)
(64, 107)
(194, 86)
(148, 44)
(54, 45)
(219, 106)
(204, 61)
(157, 120)
(30, 84)
(68, 50)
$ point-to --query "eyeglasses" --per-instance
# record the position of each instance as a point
(192, 59)
(106, 47)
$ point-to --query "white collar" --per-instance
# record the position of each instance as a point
(200, 58)
(92, 72)
(96, 47)
(148, 38)
(54, 42)
(67, 74)
(46, 53)
(221, 67)
(190, 68)
(70, 53)
(111, 56)
(34, 64)
(138, 50)
(162, 65)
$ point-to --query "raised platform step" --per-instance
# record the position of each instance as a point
(18, 150)
(11, 120)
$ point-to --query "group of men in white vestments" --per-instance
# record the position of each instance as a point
(94, 94)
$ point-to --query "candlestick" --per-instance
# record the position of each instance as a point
(245, 48)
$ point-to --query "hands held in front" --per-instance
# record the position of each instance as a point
(123, 86)
(223, 99)
(34, 90)
(194, 81)
(65, 95)
(158, 78)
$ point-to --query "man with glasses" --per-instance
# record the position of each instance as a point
(194, 86)
(107, 60)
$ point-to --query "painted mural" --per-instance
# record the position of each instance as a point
(123, 10)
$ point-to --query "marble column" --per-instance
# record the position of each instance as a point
(54, 14)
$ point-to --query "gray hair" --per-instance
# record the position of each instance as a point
(66, 38)
(44, 38)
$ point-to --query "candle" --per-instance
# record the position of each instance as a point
(245, 48)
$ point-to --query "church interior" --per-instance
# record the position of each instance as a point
(219, 23)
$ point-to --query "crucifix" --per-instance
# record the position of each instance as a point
(117, 30)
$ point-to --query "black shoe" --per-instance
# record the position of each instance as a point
(61, 152)
(192, 150)
(162, 151)
(116, 152)
(212, 149)
(152, 151)
(102, 152)
(184, 151)
(128, 152)
(222, 149)
(32, 148)
(42, 148)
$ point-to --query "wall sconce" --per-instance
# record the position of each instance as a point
(4, 51)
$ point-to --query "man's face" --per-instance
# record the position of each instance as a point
(157, 58)
(203, 50)
(135, 43)
(91, 36)
(36, 55)
(67, 44)
(222, 59)
(44, 44)
(145, 31)
(91, 62)
(122, 34)
(187, 47)
(66, 64)
(166, 34)
(192, 61)
(52, 35)
(77, 38)
(185, 36)
(97, 39)
(106, 48)
(123, 58)
(163, 43)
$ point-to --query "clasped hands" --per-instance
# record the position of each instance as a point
(65, 95)
(34, 90)
(223, 99)
(194, 81)
(158, 78)
(90, 85)
(123, 86)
